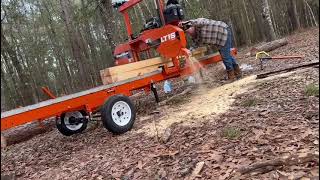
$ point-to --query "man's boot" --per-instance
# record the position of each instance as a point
(237, 71)
(231, 75)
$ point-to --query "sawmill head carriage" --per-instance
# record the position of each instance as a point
(160, 35)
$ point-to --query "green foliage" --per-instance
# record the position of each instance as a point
(312, 90)
(231, 133)
(250, 102)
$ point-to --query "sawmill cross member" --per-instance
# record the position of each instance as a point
(217, 33)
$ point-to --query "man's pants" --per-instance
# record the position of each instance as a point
(228, 60)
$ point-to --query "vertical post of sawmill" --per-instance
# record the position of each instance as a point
(160, 7)
(128, 24)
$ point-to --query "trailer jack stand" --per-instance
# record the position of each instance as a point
(155, 93)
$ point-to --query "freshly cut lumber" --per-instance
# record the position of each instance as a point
(199, 52)
(127, 75)
(136, 65)
(198, 56)
(107, 79)
(127, 71)
(146, 63)
(135, 73)
(267, 47)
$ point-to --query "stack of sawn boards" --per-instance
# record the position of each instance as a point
(136, 69)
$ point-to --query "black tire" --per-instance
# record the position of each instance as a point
(113, 124)
(65, 130)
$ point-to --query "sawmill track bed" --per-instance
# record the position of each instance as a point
(216, 130)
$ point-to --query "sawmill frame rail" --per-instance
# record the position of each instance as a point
(74, 111)
(91, 100)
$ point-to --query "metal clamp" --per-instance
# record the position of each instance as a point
(263, 58)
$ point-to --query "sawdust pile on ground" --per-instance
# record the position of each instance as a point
(204, 102)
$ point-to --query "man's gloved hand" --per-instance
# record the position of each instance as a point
(184, 25)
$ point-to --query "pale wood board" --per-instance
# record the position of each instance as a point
(133, 66)
(134, 73)
(136, 69)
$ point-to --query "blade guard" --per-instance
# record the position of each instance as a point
(169, 39)
(170, 49)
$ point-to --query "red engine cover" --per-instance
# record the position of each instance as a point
(168, 41)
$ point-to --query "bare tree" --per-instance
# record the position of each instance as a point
(268, 21)
(66, 81)
(311, 13)
(107, 16)
(76, 43)
(295, 14)
(25, 86)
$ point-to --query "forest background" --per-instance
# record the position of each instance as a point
(63, 44)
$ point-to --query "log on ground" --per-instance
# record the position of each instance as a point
(267, 47)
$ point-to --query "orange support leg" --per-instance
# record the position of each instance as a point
(48, 92)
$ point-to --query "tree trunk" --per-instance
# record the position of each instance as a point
(12, 82)
(74, 38)
(245, 20)
(311, 13)
(277, 30)
(295, 14)
(3, 97)
(25, 64)
(25, 87)
(9, 96)
(271, 35)
(105, 53)
(230, 23)
(85, 50)
(143, 18)
(147, 6)
(66, 82)
(93, 52)
(257, 20)
(107, 16)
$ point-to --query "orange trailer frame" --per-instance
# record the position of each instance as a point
(90, 100)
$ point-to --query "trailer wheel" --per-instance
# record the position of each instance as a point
(68, 126)
(118, 114)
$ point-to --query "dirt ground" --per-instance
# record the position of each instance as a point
(217, 130)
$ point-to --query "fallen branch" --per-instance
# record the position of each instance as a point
(272, 164)
(264, 75)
